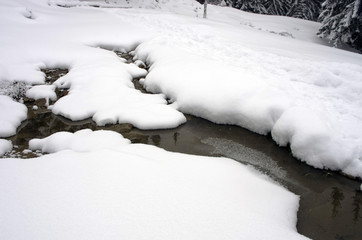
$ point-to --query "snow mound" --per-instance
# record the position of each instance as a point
(106, 93)
(42, 91)
(5, 146)
(114, 189)
(82, 141)
(12, 114)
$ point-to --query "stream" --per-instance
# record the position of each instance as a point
(330, 203)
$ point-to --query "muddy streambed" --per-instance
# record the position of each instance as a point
(330, 205)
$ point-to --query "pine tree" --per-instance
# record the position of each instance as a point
(342, 22)
(341, 19)
(305, 9)
(255, 6)
(278, 7)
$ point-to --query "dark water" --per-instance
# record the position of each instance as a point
(330, 205)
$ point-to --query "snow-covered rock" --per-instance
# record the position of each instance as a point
(46, 92)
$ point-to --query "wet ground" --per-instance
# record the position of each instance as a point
(330, 206)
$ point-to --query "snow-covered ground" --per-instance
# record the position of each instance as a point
(96, 185)
(265, 73)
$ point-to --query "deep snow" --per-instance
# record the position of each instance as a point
(268, 74)
(96, 185)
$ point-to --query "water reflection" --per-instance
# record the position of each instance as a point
(357, 202)
(175, 137)
(337, 197)
(156, 139)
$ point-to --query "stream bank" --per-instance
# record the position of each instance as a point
(330, 205)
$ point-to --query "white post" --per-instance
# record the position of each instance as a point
(205, 9)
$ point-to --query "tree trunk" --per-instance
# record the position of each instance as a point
(205, 9)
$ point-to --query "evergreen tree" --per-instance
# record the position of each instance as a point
(278, 7)
(342, 22)
(255, 6)
(305, 9)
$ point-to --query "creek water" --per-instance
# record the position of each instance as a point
(330, 204)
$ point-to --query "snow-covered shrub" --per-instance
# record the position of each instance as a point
(15, 90)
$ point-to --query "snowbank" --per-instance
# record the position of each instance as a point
(46, 92)
(133, 191)
(5, 146)
(12, 114)
(81, 141)
(106, 93)
(314, 106)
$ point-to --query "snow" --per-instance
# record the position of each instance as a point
(5, 146)
(12, 114)
(310, 138)
(100, 83)
(81, 141)
(113, 99)
(357, 4)
(305, 94)
(222, 69)
(265, 73)
(42, 91)
(15, 90)
(118, 190)
(298, 101)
